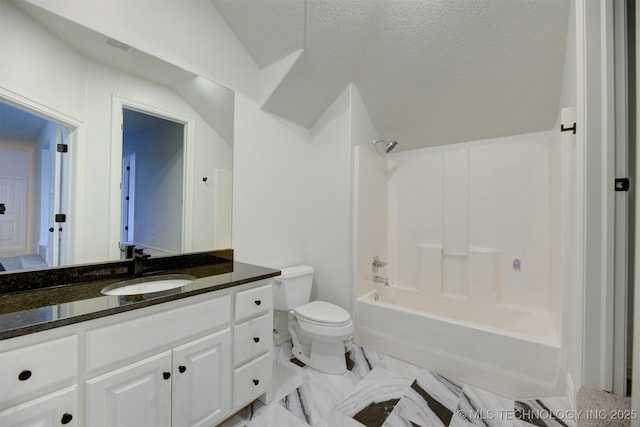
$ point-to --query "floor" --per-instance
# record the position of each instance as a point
(22, 262)
(379, 390)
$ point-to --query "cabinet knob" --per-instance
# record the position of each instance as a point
(182, 368)
(256, 339)
(66, 418)
(256, 382)
(258, 302)
(166, 375)
(24, 375)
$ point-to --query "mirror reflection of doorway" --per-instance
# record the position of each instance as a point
(152, 182)
(30, 189)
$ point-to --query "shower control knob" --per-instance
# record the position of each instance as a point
(377, 263)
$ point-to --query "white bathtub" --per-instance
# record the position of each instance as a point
(509, 351)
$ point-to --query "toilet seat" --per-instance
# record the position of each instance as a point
(322, 313)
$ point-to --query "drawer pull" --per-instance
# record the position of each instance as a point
(24, 375)
(182, 368)
(258, 302)
(256, 382)
(166, 375)
(66, 418)
(256, 339)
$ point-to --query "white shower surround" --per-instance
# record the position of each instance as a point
(472, 236)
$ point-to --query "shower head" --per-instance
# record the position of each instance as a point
(389, 145)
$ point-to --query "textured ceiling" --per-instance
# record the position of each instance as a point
(431, 72)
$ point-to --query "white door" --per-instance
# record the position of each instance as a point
(137, 395)
(55, 409)
(13, 213)
(202, 381)
(55, 205)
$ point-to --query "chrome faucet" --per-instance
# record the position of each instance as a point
(380, 279)
(138, 261)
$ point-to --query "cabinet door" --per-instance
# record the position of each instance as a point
(136, 395)
(55, 409)
(202, 380)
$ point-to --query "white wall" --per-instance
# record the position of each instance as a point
(328, 215)
(270, 186)
(176, 31)
(32, 59)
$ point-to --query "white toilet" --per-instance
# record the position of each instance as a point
(319, 330)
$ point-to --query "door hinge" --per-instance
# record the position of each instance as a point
(62, 148)
(622, 184)
(60, 218)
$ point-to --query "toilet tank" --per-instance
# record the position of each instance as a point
(293, 287)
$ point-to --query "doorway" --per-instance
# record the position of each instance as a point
(152, 184)
(31, 183)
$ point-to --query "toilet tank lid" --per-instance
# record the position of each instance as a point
(295, 271)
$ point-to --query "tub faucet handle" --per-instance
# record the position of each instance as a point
(377, 263)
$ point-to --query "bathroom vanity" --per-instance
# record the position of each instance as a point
(191, 355)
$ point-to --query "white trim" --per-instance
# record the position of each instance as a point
(621, 203)
(635, 395)
(118, 103)
(595, 118)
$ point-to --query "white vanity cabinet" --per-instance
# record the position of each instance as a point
(253, 343)
(38, 382)
(187, 386)
(55, 409)
(138, 394)
(189, 362)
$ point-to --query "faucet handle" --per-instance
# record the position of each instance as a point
(377, 263)
(139, 252)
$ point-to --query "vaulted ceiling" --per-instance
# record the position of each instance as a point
(430, 72)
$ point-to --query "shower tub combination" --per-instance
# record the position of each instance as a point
(509, 351)
(473, 236)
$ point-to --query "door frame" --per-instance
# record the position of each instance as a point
(118, 103)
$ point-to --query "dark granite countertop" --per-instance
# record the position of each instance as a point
(37, 300)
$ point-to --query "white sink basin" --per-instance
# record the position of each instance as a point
(145, 285)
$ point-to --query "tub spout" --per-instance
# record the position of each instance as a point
(380, 279)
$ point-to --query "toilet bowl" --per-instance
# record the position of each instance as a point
(319, 330)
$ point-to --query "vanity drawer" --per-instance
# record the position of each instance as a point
(252, 338)
(253, 302)
(251, 380)
(107, 345)
(38, 367)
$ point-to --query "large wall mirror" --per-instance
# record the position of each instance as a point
(103, 146)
